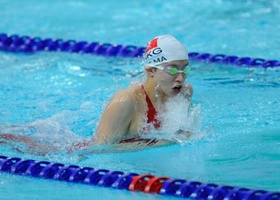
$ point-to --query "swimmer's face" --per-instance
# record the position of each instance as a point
(171, 84)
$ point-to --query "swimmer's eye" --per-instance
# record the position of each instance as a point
(174, 70)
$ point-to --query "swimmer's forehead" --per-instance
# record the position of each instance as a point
(181, 63)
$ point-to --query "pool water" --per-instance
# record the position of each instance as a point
(57, 98)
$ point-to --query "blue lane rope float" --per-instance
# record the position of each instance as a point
(28, 44)
(131, 181)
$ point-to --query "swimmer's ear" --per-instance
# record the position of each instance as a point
(150, 71)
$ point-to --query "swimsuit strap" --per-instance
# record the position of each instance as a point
(151, 112)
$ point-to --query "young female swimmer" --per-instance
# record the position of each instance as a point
(167, 67)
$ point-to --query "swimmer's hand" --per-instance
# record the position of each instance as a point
(188, 134)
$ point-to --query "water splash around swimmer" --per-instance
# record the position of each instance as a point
(178, 116)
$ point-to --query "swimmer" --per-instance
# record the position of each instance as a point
(134, 111)
(167, 67)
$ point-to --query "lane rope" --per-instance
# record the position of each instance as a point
(130, 181)
(28, 44)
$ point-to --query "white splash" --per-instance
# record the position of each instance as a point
(179, 119)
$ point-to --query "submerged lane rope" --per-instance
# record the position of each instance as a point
(27, 44)
(130, 181)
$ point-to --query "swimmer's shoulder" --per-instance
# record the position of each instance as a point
(128, 95)
(130, 98)
(132, 93)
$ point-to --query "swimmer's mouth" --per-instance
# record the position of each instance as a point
(177, 88)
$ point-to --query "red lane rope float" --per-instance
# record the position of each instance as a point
(147, 183)
(28, 44)
(131, 181)
(155, 184)
(139, 182)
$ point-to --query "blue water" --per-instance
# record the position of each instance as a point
(58, 97)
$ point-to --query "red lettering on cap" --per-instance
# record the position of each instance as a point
(152, 44)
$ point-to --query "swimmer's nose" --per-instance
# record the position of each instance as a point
(180, 77)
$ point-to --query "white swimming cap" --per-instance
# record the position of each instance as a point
(163, 49)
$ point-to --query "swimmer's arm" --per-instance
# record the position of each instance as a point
(116, 119)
